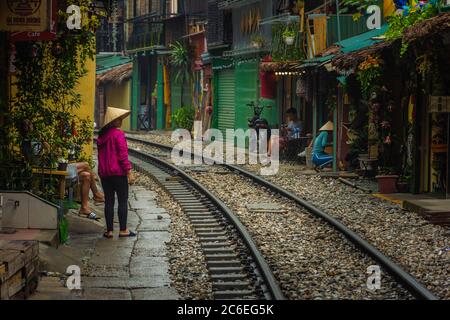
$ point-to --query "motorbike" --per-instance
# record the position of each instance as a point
(257, 122)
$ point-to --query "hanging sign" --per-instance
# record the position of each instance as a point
(48, 34)
(24, 15)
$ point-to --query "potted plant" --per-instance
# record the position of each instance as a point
(62, 164)
(257, 40)
(387, 181)
(404, 182)
(289, 36)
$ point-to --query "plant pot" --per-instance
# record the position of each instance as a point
(366, 163)
(256, 44)
(387, 184)
(403, 187)
(62, 166)
(289, 40)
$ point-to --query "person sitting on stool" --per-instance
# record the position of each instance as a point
(319, 157)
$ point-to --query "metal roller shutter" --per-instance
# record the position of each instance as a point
(226, 100)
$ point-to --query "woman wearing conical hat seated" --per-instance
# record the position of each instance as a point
(319, 157)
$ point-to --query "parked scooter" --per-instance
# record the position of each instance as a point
(257, 122)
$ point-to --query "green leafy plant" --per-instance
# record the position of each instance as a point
(44, 110)
(289, 32)
(280, 51)
(257, 40)
(181, 58)
(398, 23)
(184, 118)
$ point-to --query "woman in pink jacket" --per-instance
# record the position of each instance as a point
(114, 170)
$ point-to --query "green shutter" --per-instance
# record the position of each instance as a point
(226, 100)
(246, 92)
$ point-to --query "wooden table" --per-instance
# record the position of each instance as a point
(61, 175)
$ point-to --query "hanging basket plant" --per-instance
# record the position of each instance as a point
(289, 36)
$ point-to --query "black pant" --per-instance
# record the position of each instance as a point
(111, 186)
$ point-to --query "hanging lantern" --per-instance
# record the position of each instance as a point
(301, 87)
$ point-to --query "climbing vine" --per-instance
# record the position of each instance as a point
(44, 111)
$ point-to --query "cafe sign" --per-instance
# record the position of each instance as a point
(24, 15)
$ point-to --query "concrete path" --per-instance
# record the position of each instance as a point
(118, 269)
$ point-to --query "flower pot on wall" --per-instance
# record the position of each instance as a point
(62, 166)
(387, 184)
(289, 40)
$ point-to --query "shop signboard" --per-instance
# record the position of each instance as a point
(20, 15)
(48, 34)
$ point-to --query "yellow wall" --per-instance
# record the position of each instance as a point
(87, 90)
(118, 95)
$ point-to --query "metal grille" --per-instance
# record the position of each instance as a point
(226, 101)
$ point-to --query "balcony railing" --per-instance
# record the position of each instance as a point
(230, 4)
(147, 38)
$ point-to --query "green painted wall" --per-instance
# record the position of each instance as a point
(161, 110)
(247, 90)
(246, 74)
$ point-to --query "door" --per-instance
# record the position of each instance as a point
(226, 100)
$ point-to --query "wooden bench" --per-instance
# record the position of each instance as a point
(60, 175)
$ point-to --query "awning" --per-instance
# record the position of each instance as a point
(113, 68)
(363, 40)
(107, 62)
(349, 45)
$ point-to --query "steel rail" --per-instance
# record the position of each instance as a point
(261, 263)
(402, 276)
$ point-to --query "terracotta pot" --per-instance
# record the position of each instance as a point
(403, 187)
(387, 184)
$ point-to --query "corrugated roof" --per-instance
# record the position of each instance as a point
(355, 43)
(361, 41)
(107, 62)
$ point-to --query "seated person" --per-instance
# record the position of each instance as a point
(294, 127)
(88, 182)
(319, 157)
(291, 131)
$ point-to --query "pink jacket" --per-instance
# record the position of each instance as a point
(113, 154)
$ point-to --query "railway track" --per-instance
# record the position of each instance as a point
(401, 276)
(237, 268)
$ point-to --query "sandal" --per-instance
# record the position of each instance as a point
(90, 216)
(107, 235)
(131, 234)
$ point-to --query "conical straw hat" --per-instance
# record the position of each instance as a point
(113, 114)
(327, 127)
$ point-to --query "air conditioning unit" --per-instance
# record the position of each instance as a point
(24, 210)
